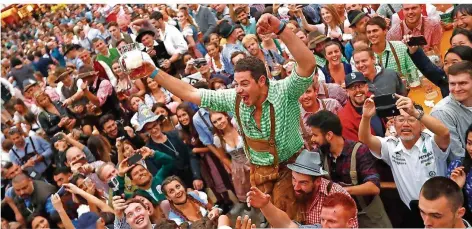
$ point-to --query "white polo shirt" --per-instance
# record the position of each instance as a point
(412, 168)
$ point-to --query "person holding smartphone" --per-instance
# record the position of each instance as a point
(417, 153)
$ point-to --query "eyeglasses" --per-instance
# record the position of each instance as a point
(401, 119)
(356, 87)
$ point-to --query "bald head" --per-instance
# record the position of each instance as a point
(73, 154)
(20, 178)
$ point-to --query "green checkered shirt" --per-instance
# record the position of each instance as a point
(406, 63)
(283, 94)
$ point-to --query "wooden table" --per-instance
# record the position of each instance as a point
(417, 94)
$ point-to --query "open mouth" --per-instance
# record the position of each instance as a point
(178, 195)
(407, 131)
(139, 220)
(360, 95)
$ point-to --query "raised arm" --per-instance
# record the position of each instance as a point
(365, 136)
(440, 131)
(91, 199)
(305, 59)
(177, 87)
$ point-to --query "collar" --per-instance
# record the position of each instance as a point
(271, 96)
(347, 145)
(467, 224)
(305, 112)
(419, 144)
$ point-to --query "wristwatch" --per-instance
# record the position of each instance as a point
(421, 114)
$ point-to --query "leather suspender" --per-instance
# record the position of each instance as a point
(397, 60)
(353, 174)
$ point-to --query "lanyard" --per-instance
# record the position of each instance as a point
(172, 145)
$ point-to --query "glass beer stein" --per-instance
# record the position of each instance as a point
(428, 86)
(132, 61)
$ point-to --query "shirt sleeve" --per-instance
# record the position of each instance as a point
(294, 86)
(455, 145)
(222, 100)
(366, 166)
(204, 133)
(453, 165)
(384, 150)
(44, 145)
(216, 141)
(180, 44)
(49, 208)
(105, 89)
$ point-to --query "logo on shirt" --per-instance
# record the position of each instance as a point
(398, 158)
(432, 173)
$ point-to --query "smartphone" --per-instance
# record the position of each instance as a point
(385, 105)
(417, 41)
(61, 191)
(135, 158)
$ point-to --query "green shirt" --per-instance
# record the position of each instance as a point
(114, 55)
(283, 94)
(406, 63)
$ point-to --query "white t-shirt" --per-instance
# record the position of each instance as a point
(411, 168)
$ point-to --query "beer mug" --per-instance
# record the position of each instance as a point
(412, 78)
(132, 61)
(428, 86)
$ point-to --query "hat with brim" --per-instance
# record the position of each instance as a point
(28, 83)
(61, 73)
(315, 38)
(86, 71)
(145, 116)
(308, 163)
(225, 29)
(354, 16)
(143, 32)
(354, 77)
(69, 48)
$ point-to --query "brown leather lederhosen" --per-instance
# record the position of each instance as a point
(263, 177)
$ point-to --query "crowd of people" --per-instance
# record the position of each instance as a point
(278, 115)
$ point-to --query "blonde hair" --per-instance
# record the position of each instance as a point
(248, 38)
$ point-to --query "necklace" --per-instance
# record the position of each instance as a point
(171, 149)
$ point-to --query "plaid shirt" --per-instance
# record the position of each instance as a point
(387, 60)
(432, 32)
(283, 94)
(313, 213)
(339, 168)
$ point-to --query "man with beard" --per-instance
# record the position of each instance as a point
(32, 197)
(310, 187)
(228, 31)
(351, 114)
(441, 201)
(248, 23)
(351, 165)
(417, 153)
(187, 206)
(311, 104)
(416, 25)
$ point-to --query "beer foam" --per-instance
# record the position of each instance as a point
(133, 59)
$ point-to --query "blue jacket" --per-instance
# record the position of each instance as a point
(432, 72)
(328, 78)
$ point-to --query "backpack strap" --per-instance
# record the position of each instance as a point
(241, 132)
(204, 121)
(353, 174)
(397, 60)
(391, 8)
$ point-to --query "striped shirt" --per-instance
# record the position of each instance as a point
(283, 94)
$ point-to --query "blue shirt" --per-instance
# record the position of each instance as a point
(251, 28)
(204, 132)
(468, 181)
(226, 54)
(42, 147)
(58, 56)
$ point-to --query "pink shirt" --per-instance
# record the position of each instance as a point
(428, 28)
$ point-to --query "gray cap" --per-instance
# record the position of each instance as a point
(308, 163)
(145, 116)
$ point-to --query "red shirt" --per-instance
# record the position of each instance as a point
(350, 121)
(428, 28)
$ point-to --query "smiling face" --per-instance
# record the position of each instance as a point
(152, 84)
(128, 149)
(302, 36)
(176, 193)
(304, 186)
(212, 50)
(147, 203)
(308, 99)
(450, 59)
(460, 86)
(357, 93)
(117, 70)
(140, 176)
(110, 128)
(248, 88)
(183, 117)
(147, 40)
(333, 54)
(61, 145)
(412, 13)
(100, 46)
(43, 100)
(40, 222)
(460, 39)
(462, 20)
(375, 34)
(214, 38)
(137, 216)
(326, 16)
(108, 172)
(62, 178)
(365, 63)
(181, 17)
(408, 127)
(219, 121)
(153, 128)
(242, 17)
